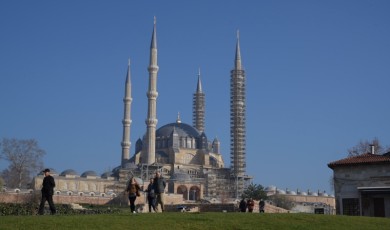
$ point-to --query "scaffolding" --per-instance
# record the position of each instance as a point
(237, 128)
(198, 107)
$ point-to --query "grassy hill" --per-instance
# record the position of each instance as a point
(194, 221)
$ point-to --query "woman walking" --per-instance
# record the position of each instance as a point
(133, 190)
(151, 196)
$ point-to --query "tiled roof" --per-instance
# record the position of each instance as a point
(366, 158)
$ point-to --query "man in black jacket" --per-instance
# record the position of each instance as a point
(159, 187)
(47, 192)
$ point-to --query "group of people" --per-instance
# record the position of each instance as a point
(155, 192)
(250, 204)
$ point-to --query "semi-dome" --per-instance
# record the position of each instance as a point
(130, 165)
(70, 172)
(89, 173)
(182, 129)
(180, 176)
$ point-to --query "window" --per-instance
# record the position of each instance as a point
(351, 207)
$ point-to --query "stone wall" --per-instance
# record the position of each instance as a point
(121, 199)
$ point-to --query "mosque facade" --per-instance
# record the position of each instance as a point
(191, 163)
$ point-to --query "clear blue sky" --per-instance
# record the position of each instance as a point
(318, 77)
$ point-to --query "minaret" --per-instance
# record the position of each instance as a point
(149, 156)
(126, 120)
(198, 106)
(237, 116)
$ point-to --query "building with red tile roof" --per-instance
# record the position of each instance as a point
(362, 185)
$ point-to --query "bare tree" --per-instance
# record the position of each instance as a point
(24, 157)
(365, 147)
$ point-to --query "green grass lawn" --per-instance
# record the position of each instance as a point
(193, 221)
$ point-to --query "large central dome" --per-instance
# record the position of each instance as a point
(182, 129)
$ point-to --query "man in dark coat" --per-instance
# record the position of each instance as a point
(47, 192)
(242, 205)
(159, 187)
(261, 206)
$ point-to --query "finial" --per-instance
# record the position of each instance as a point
(129, 62)
(178, 118)
(238, 34)
(198, 71)
(154, 20)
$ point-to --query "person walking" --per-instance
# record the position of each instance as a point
(47, 190)
(242, 205)
(159, 188)
(151, 196)
(261, 205)
(133, 189)
(251, 204)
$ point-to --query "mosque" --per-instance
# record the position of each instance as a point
(191, 162)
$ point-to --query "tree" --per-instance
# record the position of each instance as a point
(1, 184)
(365, 147)
(24, 157)
(254, 191)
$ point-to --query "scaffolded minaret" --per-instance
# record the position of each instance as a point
(126, 120)
(149, 155)
(237, 117)
(198, 107)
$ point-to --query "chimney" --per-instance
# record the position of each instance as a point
(372, 149)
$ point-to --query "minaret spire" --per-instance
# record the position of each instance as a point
(238, 121)
(178, 120)
(149, 155)
(199, 86)
(126, 119)
(238, 53)
(198, 107)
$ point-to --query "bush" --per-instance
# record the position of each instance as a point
(7, 209)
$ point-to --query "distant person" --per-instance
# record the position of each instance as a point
(133, 189)
(48, 185)
(151, 196)
(242, 205)
(251, 205)
(261, 205)
(159, 187)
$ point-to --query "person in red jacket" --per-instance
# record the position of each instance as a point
(250, 204)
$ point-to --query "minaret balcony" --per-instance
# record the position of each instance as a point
(152, 94)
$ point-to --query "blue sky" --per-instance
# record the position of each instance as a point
(317, 72)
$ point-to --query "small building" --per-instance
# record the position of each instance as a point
(306, 202)
(362, 185)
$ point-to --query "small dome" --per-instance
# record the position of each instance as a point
(70, 172)
(280, 191)
(289, 192)
(302, 193)
(107, 174)
(89, 173)
(270, 188)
